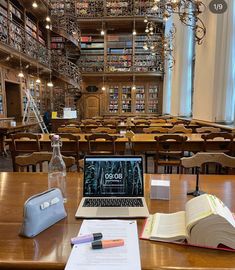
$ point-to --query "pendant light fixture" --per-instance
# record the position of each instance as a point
(20, 74)
(134, 30)
(102, 32)
(38, 81)
(50, 83)
(103, 87)
(133, 84)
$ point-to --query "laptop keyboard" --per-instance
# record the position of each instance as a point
(113, 202)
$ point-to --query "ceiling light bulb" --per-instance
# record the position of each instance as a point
(38, 80)
(133, 87)
(47, 26)
(48, 19)
(102, 32)
(34, 4)
(103, 88)
(134, 33)
(50, 84)
(21, 74)
(145, 20)
(146, 30)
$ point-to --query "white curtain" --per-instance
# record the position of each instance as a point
(167, 84)
(214, 88)
(177, 90)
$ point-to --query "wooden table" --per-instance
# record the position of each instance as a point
(6, 128)
(120, 143)
(51, 248)
(140, 143)
(194, 143)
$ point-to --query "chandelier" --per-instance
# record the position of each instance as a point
(159, 44)
(188, 11)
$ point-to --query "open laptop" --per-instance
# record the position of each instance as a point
(113, 186)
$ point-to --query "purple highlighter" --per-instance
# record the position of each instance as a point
(86, 238)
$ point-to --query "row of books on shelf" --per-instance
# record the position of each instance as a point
(31, 32)
(118, 69)
(15, 11)
(117, 4)
(140, 96)
(119, 51)
(3, 11)
(57, 45)
(92, 45)
(31, 24)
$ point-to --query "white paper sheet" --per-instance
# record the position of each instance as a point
(126, 257)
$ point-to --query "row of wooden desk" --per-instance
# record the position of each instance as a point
(51, 248)
(7, 128)
(139, 143)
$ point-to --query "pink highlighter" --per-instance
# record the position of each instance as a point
(107, 243)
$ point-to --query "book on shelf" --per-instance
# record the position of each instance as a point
(206, 222)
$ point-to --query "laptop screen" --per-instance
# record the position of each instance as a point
(113, 176)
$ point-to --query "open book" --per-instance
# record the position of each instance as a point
(205, 222)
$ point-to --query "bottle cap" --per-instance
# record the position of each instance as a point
(55, 137)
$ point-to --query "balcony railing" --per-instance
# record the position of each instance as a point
(15, 36)
(117, 8)
(108, 8)
(66, 68)
(68, 27)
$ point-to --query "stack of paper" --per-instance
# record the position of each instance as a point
(126, 257)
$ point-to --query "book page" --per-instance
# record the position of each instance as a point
(196, 209)
(170, 227)
(221, 209)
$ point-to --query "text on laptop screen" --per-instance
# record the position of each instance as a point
(113, 176)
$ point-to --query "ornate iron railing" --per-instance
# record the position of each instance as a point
(116, 8)
(66, 68)
(109, 8)
(67, 25)
(15, 36)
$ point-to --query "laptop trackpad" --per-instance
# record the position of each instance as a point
(112, 212)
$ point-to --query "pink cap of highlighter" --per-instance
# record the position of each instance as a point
(86, 238)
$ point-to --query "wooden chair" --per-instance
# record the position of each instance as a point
(23, 143)
(110, 123)
(169, 151)
(155, 130)
(69, 129)
(172, 120)
(218, 142)
(38, 161)
(208, 130)
(139, 125)
(70, 147)
(200, 159)
(157, 121)
(90, 122)
(179, 129)
(89, 127)
(104, 130)
(101, 144)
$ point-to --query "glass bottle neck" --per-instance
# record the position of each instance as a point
(56, 148)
